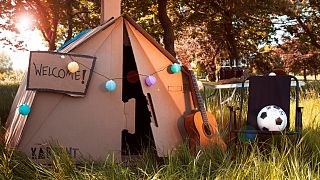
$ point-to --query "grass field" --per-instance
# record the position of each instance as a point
(283, 159)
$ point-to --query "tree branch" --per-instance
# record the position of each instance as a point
(187, 2)
(312, 37)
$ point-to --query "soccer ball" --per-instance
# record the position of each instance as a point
(272, 118)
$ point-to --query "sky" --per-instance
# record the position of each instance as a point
(32, 38)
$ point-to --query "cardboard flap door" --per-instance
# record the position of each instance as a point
(129, 112)
(166, 98)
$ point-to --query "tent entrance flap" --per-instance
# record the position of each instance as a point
(135, 143)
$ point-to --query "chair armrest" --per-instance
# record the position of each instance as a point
(233, 108)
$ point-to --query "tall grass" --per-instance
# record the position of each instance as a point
(285, 160)
(280, 158)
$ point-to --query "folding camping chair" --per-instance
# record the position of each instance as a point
(264, 91)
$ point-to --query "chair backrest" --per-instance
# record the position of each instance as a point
(268, 90)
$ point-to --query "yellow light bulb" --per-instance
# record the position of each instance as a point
(73, 67)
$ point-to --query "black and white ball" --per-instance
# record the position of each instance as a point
(272, 118)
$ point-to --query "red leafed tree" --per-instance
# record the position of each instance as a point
(57, 20)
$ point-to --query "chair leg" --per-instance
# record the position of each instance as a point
(230, 127)
(237, 126)
(299, 122)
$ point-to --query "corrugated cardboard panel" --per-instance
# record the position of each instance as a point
(89, 35)
(168, 104)
(90, 126)
(16, 122)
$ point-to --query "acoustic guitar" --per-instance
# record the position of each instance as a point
(201, 126)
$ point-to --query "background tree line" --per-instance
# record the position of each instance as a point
(207, 31)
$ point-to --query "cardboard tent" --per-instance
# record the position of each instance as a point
(101, 122)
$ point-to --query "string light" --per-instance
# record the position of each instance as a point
(177, 66)
(73, 67)
(24, 109)
(150, 80)
(110, 85)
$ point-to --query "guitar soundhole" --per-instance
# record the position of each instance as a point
(207, 129)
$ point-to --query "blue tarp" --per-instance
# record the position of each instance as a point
(74, 39)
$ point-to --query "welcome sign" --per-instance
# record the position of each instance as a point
(48, 71)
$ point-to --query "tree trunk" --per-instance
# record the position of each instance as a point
(52, 46)
(69, 18)
(230, 39)
(53, 37)
(48, 22)
(305, 74)
(166, 24)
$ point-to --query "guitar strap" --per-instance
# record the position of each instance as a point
(193, 94)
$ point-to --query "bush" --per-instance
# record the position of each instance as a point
(7, 94)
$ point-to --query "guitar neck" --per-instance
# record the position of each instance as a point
(201, 106)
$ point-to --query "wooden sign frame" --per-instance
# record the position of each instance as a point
(47, 72)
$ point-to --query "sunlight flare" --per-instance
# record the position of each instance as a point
(24, 23)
